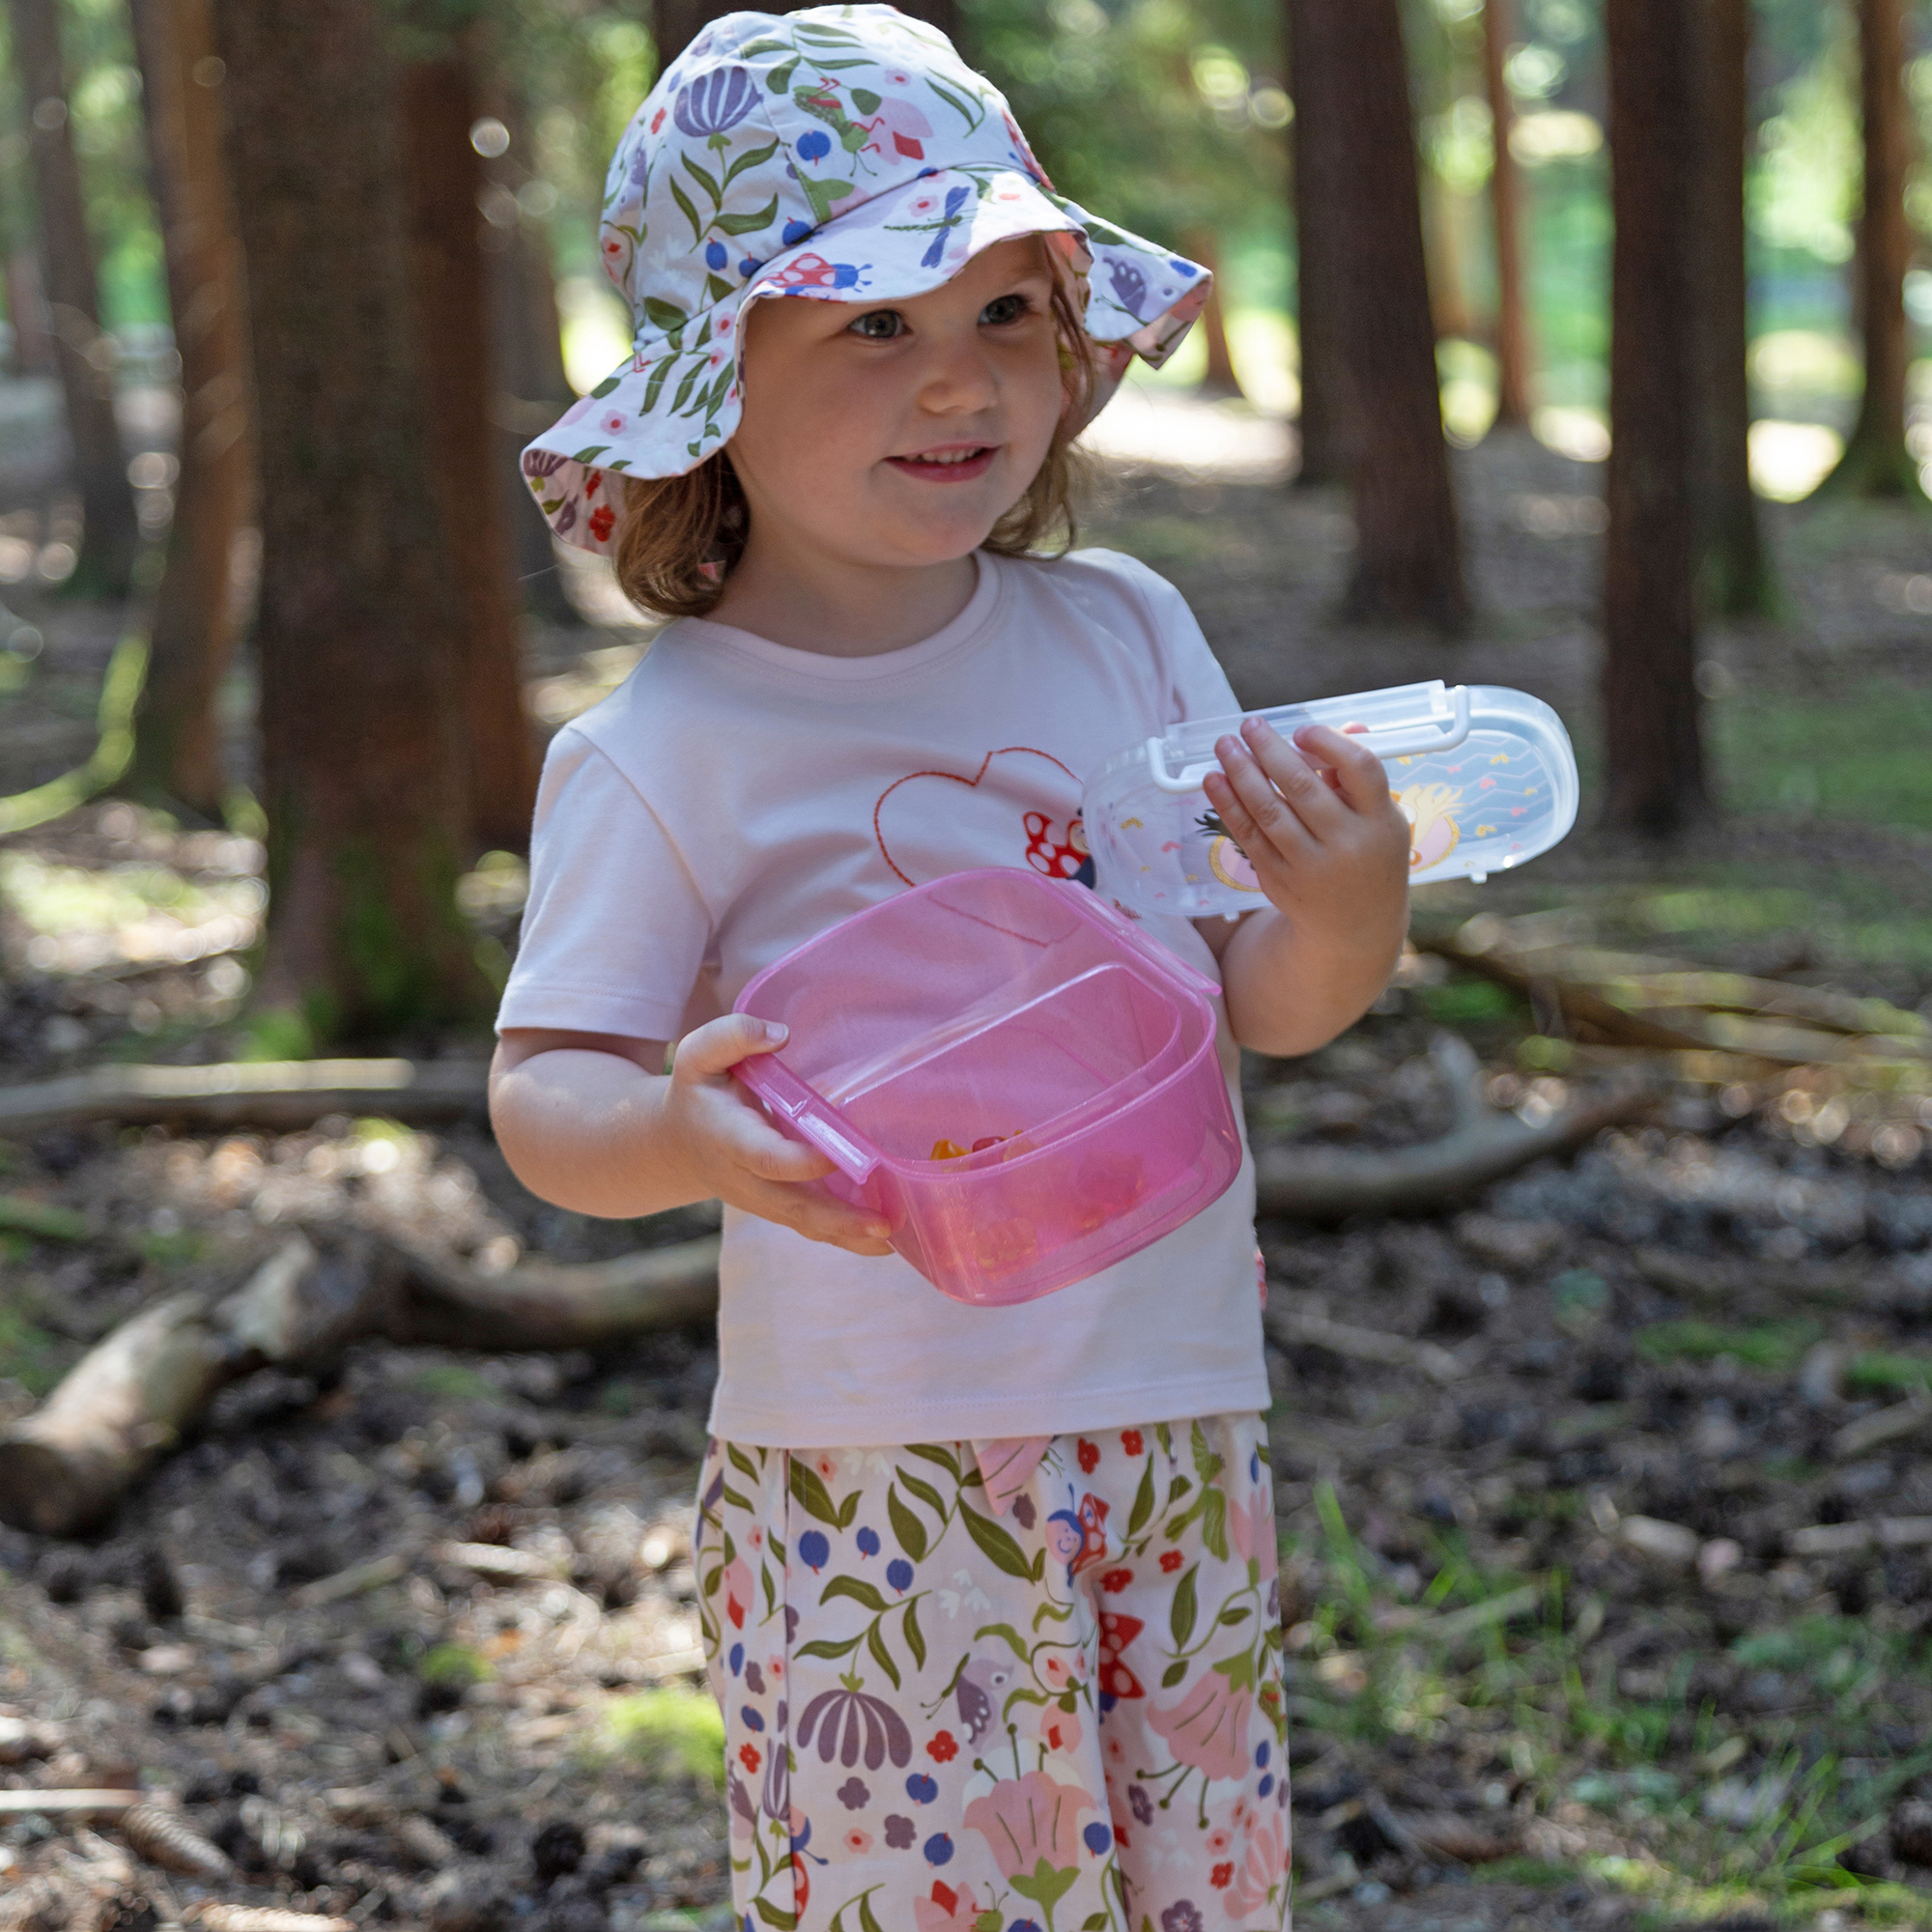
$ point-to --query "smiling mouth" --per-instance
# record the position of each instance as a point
(946, 466)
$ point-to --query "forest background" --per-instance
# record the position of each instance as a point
(344, 1558)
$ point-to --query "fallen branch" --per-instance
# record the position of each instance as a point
(1886, 1424)
(264, 1919)
(262, 1093)
(149, 1382)
(542, 1305)
(1637, 1000)
(80, 1797)
(1293, 1324)
(1481, 1146)
(134, 1395)
(1839, 1539)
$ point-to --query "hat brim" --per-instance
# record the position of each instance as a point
(678, 397)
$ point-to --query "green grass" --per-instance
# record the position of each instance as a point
(28, 1353)
(453, 1382)
(672, 1728)
(1539, 1693)
(1775, 1347)
(1464, 1000)
(1861, 756)
(454, 1665)
(1885, 1374)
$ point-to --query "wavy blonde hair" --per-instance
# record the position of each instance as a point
(680, 538)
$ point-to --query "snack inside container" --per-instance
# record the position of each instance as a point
(1485, 775)
(1024, 1086)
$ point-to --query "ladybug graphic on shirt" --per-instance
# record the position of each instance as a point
(1017, 793)
(1058, 858)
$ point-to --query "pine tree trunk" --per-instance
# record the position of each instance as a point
(27, 311)
(1876, 462)
(1652, 752)
(363, 774)
(1408, 562)
(1321, 250)
(1445, 236)
(1736, 571)
(1505, 203)
(176, 756)
(1218, 378)
(86, 355)
(451, 302)
(529, 387)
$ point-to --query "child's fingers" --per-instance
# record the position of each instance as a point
(1282, 792)
(815, 1214)
(1360, 778)
(771, 1156)
(719, 1045)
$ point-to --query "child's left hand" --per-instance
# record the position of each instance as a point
(1316, 820)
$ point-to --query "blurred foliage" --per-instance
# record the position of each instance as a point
(1167, 117)
(1173, 116)
(104, 99)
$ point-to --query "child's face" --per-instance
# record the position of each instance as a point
(900, 435)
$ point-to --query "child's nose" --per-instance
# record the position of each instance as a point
(960, 377)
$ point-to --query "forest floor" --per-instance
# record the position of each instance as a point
(1610, 1611)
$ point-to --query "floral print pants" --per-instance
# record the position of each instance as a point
(1050, 1704)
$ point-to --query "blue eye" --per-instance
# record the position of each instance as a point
(878, 324)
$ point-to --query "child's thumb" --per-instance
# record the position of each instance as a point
(720, 1044)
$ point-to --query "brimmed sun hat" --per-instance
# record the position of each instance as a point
(843, 152)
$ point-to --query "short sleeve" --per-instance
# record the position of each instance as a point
(614, 932)
(1189, 679)
(1195, 684)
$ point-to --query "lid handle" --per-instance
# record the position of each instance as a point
(1437, 732)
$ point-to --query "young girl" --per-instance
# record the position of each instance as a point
(988, 1594)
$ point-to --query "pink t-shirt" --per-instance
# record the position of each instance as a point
(734, 797)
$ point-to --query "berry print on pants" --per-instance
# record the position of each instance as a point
(946, 1713)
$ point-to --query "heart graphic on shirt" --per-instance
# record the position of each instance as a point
(1017, 809)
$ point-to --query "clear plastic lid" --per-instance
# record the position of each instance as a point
(1485, 774)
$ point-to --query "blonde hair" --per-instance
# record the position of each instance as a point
(680, 538)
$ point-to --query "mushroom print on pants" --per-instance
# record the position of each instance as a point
(1024, 1684)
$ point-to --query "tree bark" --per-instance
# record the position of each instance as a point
(363, 774)
(85, 352)
(1320, 252)
(1876, 462)
(451, 303)
(1408, 562)
(1218, 378)
(675, 24)
(27, 311)
(1505, 203)
(1653, 747)
(1736, 570)
(177, 756)
(529, 387)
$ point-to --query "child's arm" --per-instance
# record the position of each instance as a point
(588, 1121)
(1330, 848)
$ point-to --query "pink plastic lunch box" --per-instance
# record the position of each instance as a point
(1023, 1014)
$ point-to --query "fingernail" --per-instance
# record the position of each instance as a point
(877, 1229)
(777, 1033)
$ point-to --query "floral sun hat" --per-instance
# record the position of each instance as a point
(842, 152)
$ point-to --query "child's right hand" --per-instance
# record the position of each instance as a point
(733, 1150)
